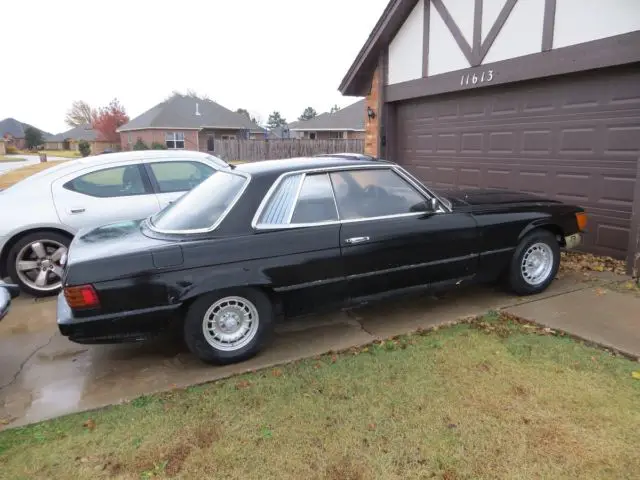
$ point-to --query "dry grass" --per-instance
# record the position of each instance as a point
(54, 153)
(14, 176)
(11, 158)
(490, 400)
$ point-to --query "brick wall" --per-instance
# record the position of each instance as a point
(152, 136)
(372, 127)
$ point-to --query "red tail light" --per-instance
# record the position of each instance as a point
(83, 296)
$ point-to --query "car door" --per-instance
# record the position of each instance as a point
(173, 178)
(298, 237)
(392, 239)
(100, 195)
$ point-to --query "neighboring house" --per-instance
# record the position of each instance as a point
(12, 131)
(3, 148)
(70, 139)
(346, 123)
(542, 96)
(279, 133)
(188, 122)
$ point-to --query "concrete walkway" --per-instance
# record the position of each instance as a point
(43, 375)
(28, 160)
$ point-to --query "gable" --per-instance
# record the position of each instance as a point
(426, 38)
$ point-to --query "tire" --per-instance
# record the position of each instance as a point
(242, 304)
(531, 278)
(27, 279)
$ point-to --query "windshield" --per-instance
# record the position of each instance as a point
(203, 207)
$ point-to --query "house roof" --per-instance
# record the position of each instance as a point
(179, 111)
(83, 132)
(357, 81)
(347, 118)
(16, 129)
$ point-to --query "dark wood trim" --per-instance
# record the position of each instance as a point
(633, 250)
(495, 29)
(358, 77)
(477, 31)
(380, 111)
(548, 25)
(425, 38)
(455, 31)
(606, 52)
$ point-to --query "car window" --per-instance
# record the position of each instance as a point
(279, 206)
(204, 206)
(179, 176)
(374, 193)
(110, 182)
(315, 202)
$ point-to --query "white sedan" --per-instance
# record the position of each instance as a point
(40, 215)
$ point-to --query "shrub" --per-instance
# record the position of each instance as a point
(158, 146)
(84, 147)
(11, 150)
(140, 145)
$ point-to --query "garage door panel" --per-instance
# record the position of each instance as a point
(574, 138)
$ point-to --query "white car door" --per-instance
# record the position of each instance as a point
(173, 178)
(105, 194)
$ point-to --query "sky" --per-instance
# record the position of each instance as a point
(261, 55)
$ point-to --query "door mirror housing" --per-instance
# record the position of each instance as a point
(428, 206)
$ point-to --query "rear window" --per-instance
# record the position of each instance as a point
(204, 207)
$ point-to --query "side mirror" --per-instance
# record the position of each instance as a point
(428, 206)
(434, 204)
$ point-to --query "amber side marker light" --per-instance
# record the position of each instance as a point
(581, 218)
(83, 296)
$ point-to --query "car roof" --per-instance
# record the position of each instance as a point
(277, 167)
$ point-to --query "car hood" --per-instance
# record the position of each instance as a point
(115, 251)
(489, 196)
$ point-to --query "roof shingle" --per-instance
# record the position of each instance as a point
(347, 118)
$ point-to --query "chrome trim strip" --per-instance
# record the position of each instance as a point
(410, 267)
(373, 166)
(224, 215)
(315, 283)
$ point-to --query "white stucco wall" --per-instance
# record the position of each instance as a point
(521, 33)
(405, 50)
(462, 13)
(444, 53)
(579, 21)
(490, 11)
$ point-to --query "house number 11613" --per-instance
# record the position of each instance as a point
(476, 78)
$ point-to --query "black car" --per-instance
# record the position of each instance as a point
(284, 238)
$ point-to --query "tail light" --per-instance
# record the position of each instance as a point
(581, 218)
(83, 296)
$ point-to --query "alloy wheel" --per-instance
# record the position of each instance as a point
(39, 265)
(230, 323)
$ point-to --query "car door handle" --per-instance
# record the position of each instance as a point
(354, 240)
(77, 210)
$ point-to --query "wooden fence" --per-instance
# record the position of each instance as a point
(256, 150)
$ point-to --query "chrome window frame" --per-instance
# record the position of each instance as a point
(419, 187)
(222, 217)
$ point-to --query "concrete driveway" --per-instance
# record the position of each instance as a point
(43, 375)
(29, 159)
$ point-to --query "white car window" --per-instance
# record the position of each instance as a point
(111, 182)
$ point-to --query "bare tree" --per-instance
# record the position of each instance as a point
(79, 114)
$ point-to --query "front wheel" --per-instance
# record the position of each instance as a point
(228, 327)
(535, 263)
(35, 262)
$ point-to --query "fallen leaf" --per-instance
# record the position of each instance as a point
(636, 374)
(600, 291)
(334, 358)
(243, 384)
(372, 426)
(452, 425)
(276, 372)
(90, 424)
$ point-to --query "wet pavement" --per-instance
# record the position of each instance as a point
(43, 375)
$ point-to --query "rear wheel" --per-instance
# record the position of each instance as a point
(230, 326)
(35, 262)
(535, 263)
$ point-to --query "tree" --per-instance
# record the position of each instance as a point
(244, 112)
(308, 114)
(33, 137)
(276, 120)
(158, 146)
(84, 147)
(108, 120)
(335, 109)
(79, 114)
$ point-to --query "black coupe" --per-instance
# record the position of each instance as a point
(284, 238)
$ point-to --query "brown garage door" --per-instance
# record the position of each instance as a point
(574, 138)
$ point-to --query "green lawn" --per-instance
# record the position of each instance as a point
(493, 399)
(7, 158)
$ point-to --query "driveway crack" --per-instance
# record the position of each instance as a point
(26, 360)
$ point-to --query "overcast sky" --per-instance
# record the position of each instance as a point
(262, 55)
